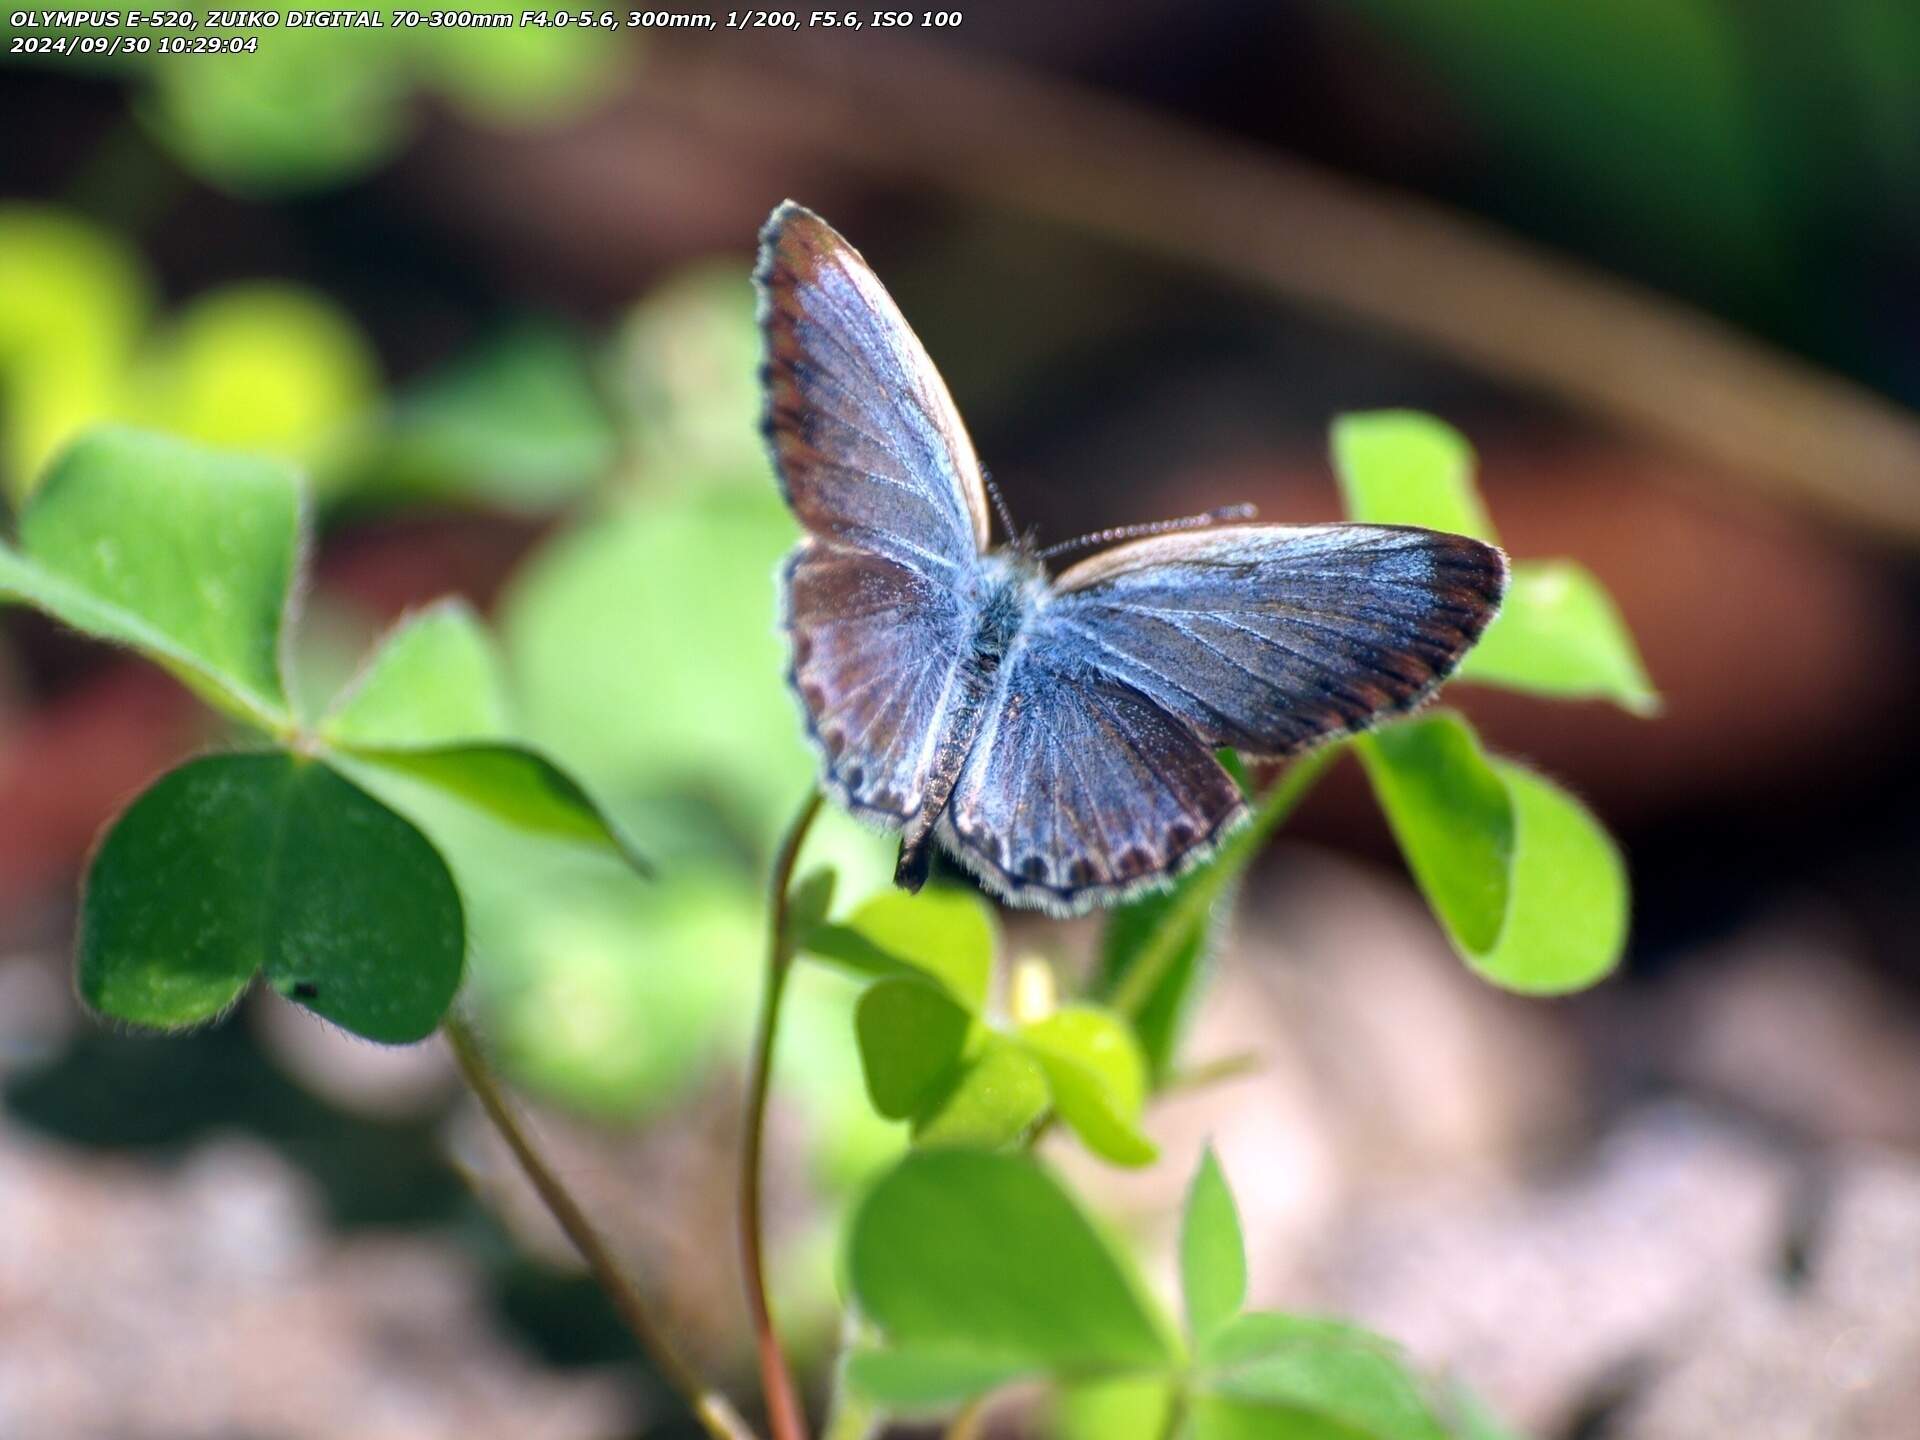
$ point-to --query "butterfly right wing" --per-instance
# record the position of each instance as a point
(876, 650)
(870, 449)
(875, 462)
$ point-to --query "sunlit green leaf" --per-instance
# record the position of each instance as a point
(263, 367)
(911, 1034)
(1528, 886)
(183, 553)
(433, 678)
(1399, 467)
(234, 864)
(985, 1261)
(1267, 1376)
(1098, 1079)
(73, 300)
(943, 933)
(1131, 1407)
(1000, 1094)
(1559, 634)
(1213, 1260)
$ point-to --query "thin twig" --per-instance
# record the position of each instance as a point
(992, 132)
(709, 1407)
(785, 1416)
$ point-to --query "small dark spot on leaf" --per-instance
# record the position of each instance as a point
(305, 990)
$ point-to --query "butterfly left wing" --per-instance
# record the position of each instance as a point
(1095, 773)
(875, 462)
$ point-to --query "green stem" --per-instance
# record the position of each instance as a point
(1197, 898)
(709, 1407)
(785, 1416)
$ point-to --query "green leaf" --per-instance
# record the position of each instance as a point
(1132, 1407)
(309, 108)
(517, 421)
(1528, 886)
(996, 1100)
(911, 1036)
(1098, 1078)
(512, 783)
(1213, 1259)
(1266, 1376)
(77, 298)
(263, 367)
(1161, 1021)
(811, 899)
(433, 678)
(920, 1380)
(427, 707)
(1559, 634)
(234, 864)
(1399, 467)
(985, 1261)
(185, 554)
(942, 933)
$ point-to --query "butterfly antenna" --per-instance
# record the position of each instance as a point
(999, 505)
(1157, 527)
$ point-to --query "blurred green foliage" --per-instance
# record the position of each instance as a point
(312, 107)
(519, 422)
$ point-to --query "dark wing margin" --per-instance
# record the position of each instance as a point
(870, 451)
(1273, 638)
(1081, 790)
(875, 646)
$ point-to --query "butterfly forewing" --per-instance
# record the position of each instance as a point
(870, 450)
(1272, 637)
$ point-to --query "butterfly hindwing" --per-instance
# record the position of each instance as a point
(1080, 788)
(1270, 638)
(875, 650)
(870, 450)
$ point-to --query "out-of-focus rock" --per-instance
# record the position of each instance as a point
(208, 1300)
(1539, 1296)
(1832, 1357)
(1789, 1023)
(1373, 1055)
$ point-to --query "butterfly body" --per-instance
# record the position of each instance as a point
(1056, 735)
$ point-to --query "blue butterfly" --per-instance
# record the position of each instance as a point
(1056, 736)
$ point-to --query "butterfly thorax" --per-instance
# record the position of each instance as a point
(1012, 586)
(1008, 589)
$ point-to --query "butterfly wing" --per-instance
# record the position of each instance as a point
(1080, 787)
(875, 463)
(869, 447)
(1270, 638)
(1095, 773)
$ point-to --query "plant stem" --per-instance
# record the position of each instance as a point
(785, 1417)
(709, 1407)
(1193, 902)
(968, 1423)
